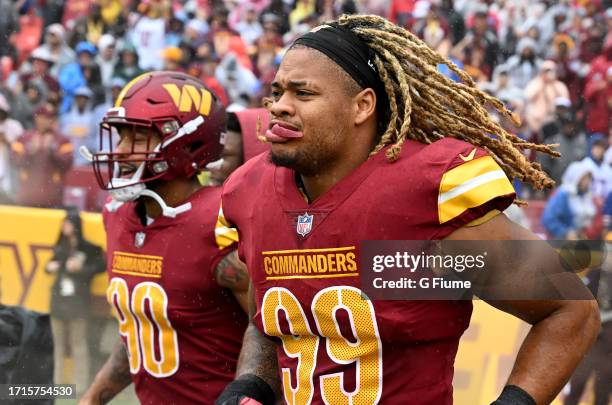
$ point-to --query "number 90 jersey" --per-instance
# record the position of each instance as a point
(333, 346)
(182, 331)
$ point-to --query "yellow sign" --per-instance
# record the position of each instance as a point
(188, 96)
(27, 237)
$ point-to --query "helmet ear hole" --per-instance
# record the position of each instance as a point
(194, 147)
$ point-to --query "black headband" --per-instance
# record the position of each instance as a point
(348, 51)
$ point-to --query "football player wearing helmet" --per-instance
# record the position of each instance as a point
(180, 325)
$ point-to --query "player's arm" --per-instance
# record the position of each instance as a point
(112, 378)
(256, 379)
(562, 330)
(232, 273)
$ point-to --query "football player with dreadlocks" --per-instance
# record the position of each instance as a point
(370, 142)
(180, 327)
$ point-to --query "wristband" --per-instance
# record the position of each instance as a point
(247, 386)
(513, 395)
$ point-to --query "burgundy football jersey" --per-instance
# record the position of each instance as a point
(182, 331)
(303, 259)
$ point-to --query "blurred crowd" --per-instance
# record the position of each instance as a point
(62, 63)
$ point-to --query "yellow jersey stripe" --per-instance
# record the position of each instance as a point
(473, 197)
(489, 215)
(470, 184)
(225, 234)
(466, 172)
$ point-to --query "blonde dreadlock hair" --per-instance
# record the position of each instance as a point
(424, 105)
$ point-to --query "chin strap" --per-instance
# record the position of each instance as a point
(167, 211)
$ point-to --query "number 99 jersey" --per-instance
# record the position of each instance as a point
(182, 331)
(335, 347)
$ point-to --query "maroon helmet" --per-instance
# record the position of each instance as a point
(188, 118)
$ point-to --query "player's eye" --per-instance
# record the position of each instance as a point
(275, 95)
(303, 93)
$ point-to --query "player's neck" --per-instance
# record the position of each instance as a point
(318, 184)
(173, 192)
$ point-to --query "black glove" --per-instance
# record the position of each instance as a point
(513, 395)
(248, 389)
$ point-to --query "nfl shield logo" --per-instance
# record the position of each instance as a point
(139, 239)
(304, 224)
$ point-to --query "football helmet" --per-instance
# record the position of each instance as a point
(184, 122)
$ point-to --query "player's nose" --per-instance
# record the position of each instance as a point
(283, 106)
(124, 145)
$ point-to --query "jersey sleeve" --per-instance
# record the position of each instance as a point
(469, 189)
(226, 234)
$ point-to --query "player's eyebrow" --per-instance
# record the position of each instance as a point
(291, 84)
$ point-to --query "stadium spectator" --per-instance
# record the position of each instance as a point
(106, 58)
(172, 57)
(42, 157)
(75, 261)
(60, 52)
(503, 87)
(79, 124)
(84, 72)
(9, 26)
(598, 98)
(571, 209)
(432, 28)
(41, 62)
(236, 79)
(455, 21)
(74, 10)
(602, 175)
(249, 28)
(115, 87)
(206, 72)
(10, 130)
(127, 67)
(607, 223)
(148, 34)
(89, 27)
(400, 11)
(525, 64)
(541, 93)
(277, 11)
(563, 129)
(569, 68)
(27, 101)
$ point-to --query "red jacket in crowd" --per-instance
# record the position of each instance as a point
(42, 161)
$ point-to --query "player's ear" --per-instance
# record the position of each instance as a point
(365, 105)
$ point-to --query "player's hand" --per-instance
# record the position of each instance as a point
(248, 389)
(53, 266)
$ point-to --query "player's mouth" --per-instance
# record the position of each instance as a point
(281, 132)
(127, 170)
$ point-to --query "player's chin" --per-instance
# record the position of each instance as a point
(283, 155)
